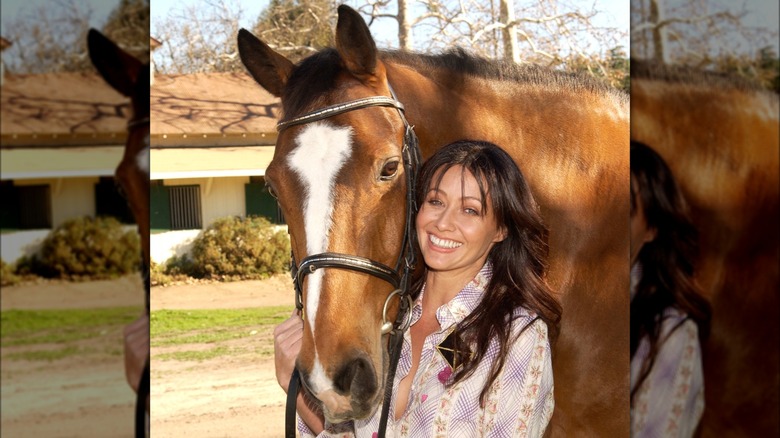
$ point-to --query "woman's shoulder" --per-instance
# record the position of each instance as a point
(524, 320)
(676, 323)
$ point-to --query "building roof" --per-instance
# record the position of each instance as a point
(61, 109)
(4, 43)
(208, 105)
(154, 43)
(198, 122)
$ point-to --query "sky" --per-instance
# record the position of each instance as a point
(252, 9)
(11, 9)
(615, 12)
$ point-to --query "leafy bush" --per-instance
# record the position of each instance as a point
(175, 270)
(88, 248)
(239, 248)
(8, 275)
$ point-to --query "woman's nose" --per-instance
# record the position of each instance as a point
(444, 221)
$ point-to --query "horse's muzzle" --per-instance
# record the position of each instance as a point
(354, 394)
(357, 378)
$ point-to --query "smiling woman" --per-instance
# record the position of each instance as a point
(483, 316)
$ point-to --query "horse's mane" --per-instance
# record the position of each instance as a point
(315, 75)
(688, 75)
(460, 60)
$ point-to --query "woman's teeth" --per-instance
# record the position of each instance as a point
(449, 244)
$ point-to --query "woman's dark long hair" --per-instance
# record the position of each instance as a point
(667, 261)
(519, 261)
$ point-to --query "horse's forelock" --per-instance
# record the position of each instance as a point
(310, 81)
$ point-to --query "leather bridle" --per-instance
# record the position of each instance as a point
(399, 277)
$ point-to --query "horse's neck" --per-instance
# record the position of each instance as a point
(522, 117)
(709, 136)
(440, 113)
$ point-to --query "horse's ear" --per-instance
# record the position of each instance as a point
(117, 67)
(354, 42)
(269, 68)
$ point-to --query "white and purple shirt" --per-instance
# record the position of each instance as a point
(519, 402)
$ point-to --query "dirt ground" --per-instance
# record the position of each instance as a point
(221, 397)
(77, 396)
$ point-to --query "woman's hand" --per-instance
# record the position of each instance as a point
(287, 345)
(136, 350)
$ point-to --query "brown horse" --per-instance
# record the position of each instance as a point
(719, 136)
(129, 76)
(342, 190)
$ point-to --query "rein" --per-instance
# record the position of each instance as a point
(399, 277)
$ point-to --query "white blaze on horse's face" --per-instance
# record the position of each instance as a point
(142, 159)
(321, 153)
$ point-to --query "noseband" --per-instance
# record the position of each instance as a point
(399, 277)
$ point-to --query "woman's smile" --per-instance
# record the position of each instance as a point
(440, 243)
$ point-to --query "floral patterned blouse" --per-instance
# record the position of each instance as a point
(519, 403)
(670, 401)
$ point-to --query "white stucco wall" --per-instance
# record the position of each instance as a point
(19, 244)
(73, 198)
(163, 246)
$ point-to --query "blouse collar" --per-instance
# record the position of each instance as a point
(462, 304)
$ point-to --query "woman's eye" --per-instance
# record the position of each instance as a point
(389, 170)
(434, 201)
(472, 212)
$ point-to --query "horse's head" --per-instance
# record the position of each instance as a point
(341, 184)
(130, 77)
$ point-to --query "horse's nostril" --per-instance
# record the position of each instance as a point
(357, 378)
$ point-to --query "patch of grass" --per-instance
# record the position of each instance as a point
(203, 337)
(205, 326)
(30, 327)
(47, 355)
(198, 356)
(213, 326)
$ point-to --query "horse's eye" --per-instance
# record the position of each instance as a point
(271, 190)
(389, 170)
(120, 189)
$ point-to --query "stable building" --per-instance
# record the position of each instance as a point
(61, 138)
(212, 136)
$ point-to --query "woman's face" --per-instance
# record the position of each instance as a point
(455, 235)
(640, 233)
